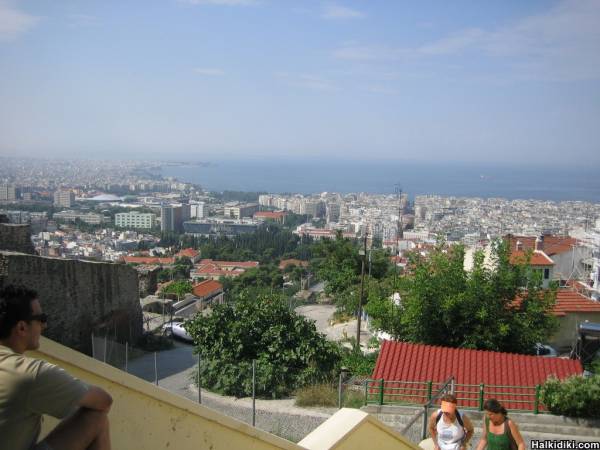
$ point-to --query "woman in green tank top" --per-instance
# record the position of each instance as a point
(499, 432)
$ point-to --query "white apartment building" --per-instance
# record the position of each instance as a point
(134, 219)
(197, 210)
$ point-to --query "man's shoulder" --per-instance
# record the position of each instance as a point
(18, 363)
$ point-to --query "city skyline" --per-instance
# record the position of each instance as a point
(228, 79)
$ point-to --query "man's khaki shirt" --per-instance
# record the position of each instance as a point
(30, 388)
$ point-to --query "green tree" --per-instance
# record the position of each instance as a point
(499, 307)
(288, 350)
(179, 288)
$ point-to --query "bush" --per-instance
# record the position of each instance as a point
(327, 395)
(317, 395)
(288, 350)
(575, 397)
(357, 363)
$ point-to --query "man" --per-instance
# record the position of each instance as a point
(449, 428)
(31, 387)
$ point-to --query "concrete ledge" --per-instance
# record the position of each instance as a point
(144, 416)
(353, 429)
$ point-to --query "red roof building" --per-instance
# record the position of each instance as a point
(416, 362)
(278, 216)
(207, 289)
(571, 301)
(211, 269)
(538, 258)
(148, 260)
(552, 245)
(192, 254)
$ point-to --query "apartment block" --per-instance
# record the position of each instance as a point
(135, 219)
(64, 198)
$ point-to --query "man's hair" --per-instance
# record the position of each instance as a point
(449, 398)
(15, 305)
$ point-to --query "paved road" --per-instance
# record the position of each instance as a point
(280, 417)
(176, 361)
(322, 315)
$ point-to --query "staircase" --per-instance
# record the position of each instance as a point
(533, 427)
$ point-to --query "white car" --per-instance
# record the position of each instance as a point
(176, 330)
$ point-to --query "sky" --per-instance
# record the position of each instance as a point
(459, 81)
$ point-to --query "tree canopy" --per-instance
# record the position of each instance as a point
(288, 350)
(498, 306)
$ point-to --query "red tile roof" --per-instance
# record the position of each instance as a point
(148, 260)
(227, 264)
(270, 214)
(570, 301)
(214, 272)
(552, 244)
(207, 288)
(188, 253)
(537, 258)
(416, 362)
(289, 262)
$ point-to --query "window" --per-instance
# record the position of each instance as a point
(546, 274)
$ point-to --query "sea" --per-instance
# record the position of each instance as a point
(535, 182)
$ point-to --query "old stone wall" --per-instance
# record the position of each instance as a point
(80, 297)
(16, 238)
(148, 279)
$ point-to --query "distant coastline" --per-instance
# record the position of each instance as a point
(531, 182)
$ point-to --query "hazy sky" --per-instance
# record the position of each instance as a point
(204, 79)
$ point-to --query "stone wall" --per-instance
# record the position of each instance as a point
(80, 297)
(148, 279)
(16, 238)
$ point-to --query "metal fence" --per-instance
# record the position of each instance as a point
(513, 398)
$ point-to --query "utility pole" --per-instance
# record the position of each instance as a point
(399, 233)
(362, 290)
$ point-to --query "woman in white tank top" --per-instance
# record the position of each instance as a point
(450, 429)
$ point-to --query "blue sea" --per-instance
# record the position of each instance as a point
(461, 180)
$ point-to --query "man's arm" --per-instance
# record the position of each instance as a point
(96, 399)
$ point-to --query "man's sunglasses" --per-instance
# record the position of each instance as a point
(43, 318)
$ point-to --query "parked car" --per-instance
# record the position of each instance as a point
(177, 330)
(545, 350)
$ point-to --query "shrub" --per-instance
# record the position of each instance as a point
(288, 350)
(357, 363)
(327, 395)
(317, 395)
(575, 397)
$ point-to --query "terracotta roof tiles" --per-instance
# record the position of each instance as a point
(552, 244)
(570, 301)
(206, 288)
(538, 258)
(417, 362)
